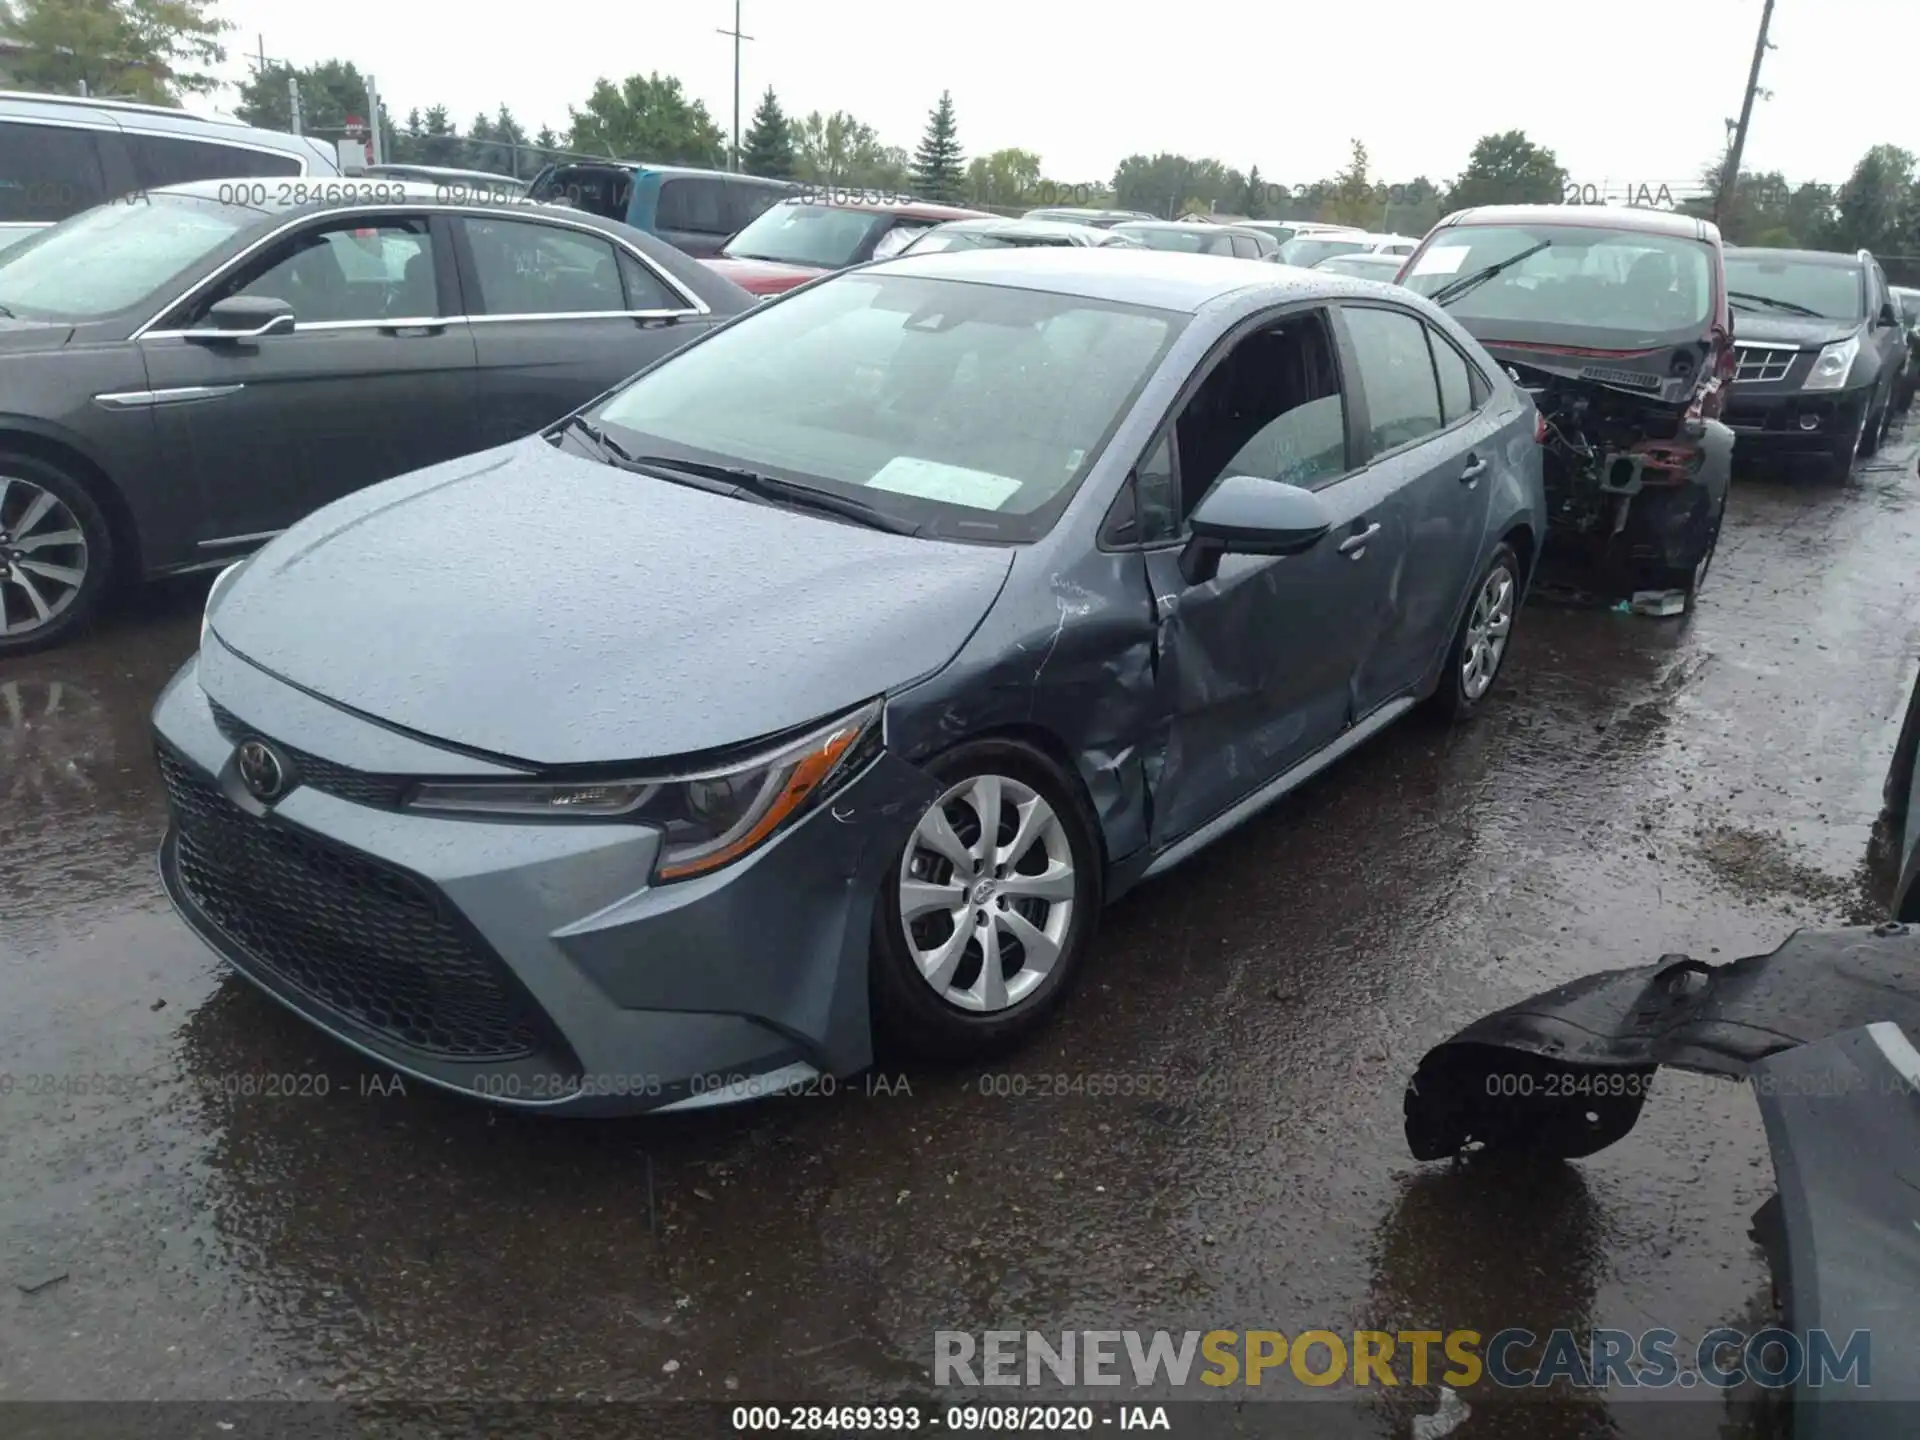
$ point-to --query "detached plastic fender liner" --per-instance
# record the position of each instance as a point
(1565, 1073)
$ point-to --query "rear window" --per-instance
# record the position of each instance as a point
(47, 172)
(1568, 284)
(1192, 241)
(114, 256)
(165, 160)
(1306, 251)
(1776, 284)
(698, 206)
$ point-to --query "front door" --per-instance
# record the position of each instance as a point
(1254, 665)
(560, 314)
(375, 380)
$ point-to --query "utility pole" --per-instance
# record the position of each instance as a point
(1731, 176)
(733, 161)
(293, 101)
(373, 121)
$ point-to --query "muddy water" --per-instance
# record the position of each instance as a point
(1640, 787)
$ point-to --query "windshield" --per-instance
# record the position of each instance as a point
(1909, 302)
(1310, 250)
(1153, 239)
(972, 410)
(984, 240)
(795, 234)
(1621, 289)
(106, 259)
(1832, 292)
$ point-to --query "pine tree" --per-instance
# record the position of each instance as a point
(768, 147)
(939, 170)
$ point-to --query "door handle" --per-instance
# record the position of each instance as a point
(414, 327)
(1476, 467)
(1356, 545)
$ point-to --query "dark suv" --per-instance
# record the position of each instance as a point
(1819, 348)
(695, 211)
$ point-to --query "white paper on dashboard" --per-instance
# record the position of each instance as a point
(1442, 260)
(955, 484)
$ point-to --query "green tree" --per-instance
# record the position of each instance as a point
(1170, 185)
(1508, 169)
(768, 148)
(1253, 203)
(939, 169)
(1005, 178)
(1413, 208)
(837, 149)
(1876, 209)
(647, 118)
(1355, 199)
(329, 92)
(498, 144)
(151, 50)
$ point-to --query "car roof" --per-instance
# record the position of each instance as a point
(1616, 217)
(1835, 259)
(906, 209)
(1002, 225)
(1161, 279)
(643, 167)
(1364, 257)
(400, 170)
(156, 119)
(342, 192)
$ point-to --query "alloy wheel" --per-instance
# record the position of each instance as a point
(43, 556)
(1487, 631)
(987, 889)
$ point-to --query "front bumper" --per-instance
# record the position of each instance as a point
(530, 964)
(1777, 420)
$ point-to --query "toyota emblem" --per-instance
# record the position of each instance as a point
(261, 770)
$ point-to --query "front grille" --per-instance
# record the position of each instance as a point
(361, 788)
(1761, 363)
(1628, 379)
(361, 938)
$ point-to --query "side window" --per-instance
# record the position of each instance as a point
(48, 172)
(1157, 495)
(646, 290)
(1396, 375)
(1272, 408)
(747, 202)
(1456, 384)
(348, 270)
(1245, 248)
(164, 160)
(692, 204)
(524, 268)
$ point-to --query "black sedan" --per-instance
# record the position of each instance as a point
(186, 372)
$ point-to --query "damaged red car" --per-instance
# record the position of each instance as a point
(1616, 321)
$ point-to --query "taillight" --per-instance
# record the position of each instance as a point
(1539, 428)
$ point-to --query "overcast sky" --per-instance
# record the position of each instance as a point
(1637, 91)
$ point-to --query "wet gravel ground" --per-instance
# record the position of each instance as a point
(1641, 786)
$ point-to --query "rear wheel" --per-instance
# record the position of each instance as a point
(1876, 427)
(989, 913)
(1480, 644)
(56, 554)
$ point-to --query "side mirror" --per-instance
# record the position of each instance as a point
(1244, 515)
(245, 317)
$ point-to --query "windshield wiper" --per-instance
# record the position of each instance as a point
(1775, 303)
(1454, 289)
(790, 492)
(611, 450)
(7, 314)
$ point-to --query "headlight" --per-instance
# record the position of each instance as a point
(220, 583)
(707, 818)
(1830, 369)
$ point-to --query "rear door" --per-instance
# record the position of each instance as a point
(692, 213)
(376, 380)
(1429, 447)
(560, 313)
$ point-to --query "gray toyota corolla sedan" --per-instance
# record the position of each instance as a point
(826, 678)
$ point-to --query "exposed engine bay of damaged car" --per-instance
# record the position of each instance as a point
(1628, 494)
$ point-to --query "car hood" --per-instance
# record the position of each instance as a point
(1805, 331)
(541, 607)
(764, 277)
(18, 336)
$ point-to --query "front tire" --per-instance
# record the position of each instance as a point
(56, 554)
(1479, 646)
(987, 916)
